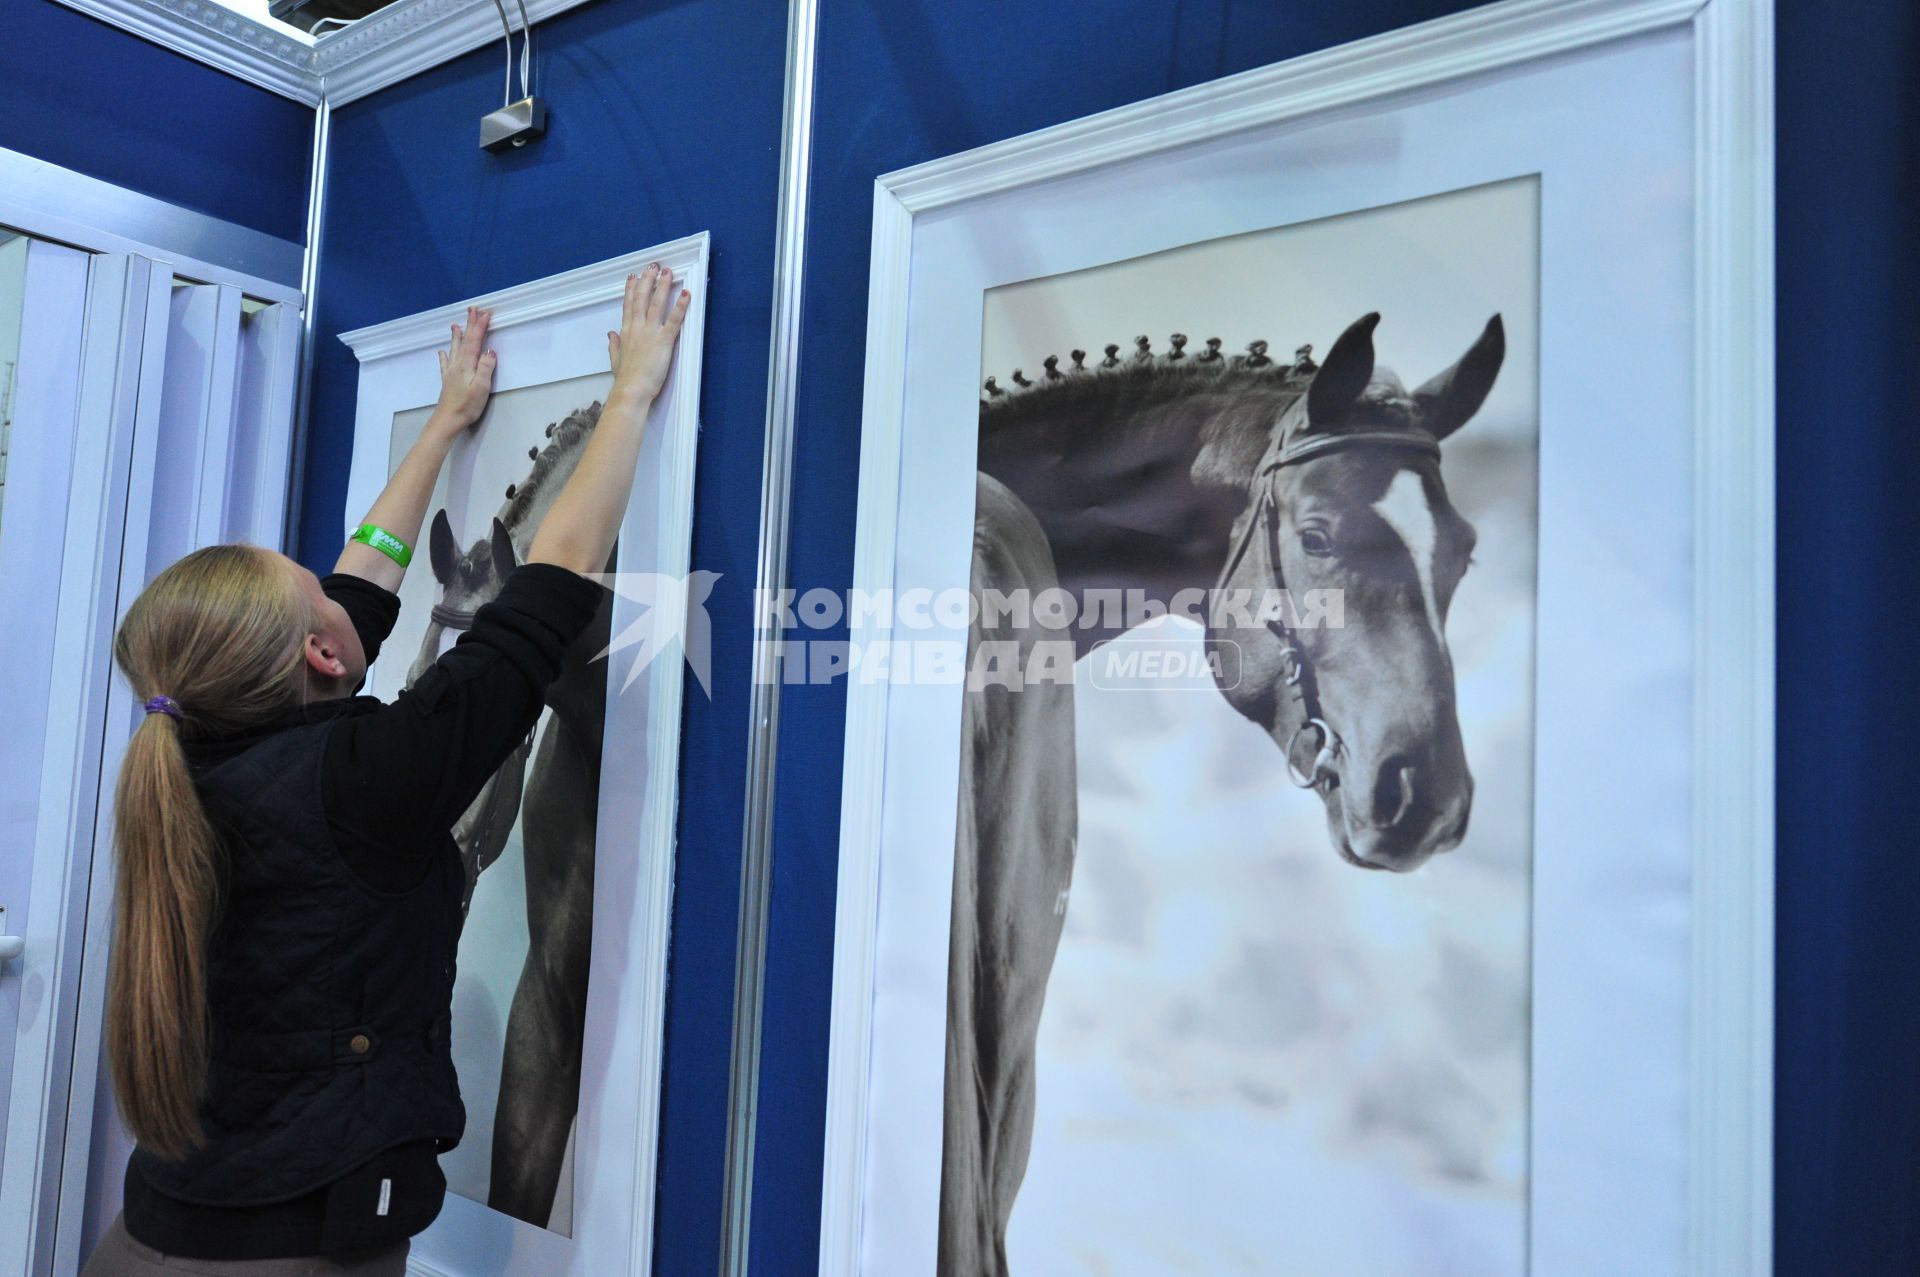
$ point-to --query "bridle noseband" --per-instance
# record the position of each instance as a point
(1297, 671)
(451, 618)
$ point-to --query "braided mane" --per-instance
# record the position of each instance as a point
(566, 437)
(1138, 380)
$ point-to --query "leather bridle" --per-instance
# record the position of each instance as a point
(451, 618)
(1290, 448)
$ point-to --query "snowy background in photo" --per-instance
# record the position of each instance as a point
(1255, 1058)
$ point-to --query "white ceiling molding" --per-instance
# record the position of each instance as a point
(409, 36)
(402, 40)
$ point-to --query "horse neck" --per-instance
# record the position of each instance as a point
(1135, 496)
(534, 496)
(578, 697)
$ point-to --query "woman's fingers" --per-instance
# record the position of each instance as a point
(648, 304)
(678, 315)
(638, 288)
(657, 302)
(468, 340)
(477, 322)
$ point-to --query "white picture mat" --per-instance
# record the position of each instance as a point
(548, 331)
(1613, 812)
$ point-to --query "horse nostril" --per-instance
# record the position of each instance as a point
(1393, 791)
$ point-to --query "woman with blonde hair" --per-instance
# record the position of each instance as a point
(289, 888)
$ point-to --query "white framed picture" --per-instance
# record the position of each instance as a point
(569, 851)
(1461, 337)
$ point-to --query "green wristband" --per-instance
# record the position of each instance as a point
(385, 542)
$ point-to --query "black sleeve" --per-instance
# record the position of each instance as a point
(396, 779)
(371, 609)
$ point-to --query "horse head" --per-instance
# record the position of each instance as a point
(468, 581)
(1349, 499)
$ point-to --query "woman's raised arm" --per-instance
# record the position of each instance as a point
(466, 382)
(580, 530)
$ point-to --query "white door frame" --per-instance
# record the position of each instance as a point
(244, 388)
(54, 203)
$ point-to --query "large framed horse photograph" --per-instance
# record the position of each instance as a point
(1341, 845)
(568, 852)
(1207, 978)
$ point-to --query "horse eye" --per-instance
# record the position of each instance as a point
(1315, 541)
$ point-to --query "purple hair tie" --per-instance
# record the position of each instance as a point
(164, 705)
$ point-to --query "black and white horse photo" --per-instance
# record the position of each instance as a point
(1238, 968)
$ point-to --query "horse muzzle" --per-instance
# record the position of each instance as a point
(1400, 816)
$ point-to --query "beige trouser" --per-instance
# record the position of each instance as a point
(119, 1255)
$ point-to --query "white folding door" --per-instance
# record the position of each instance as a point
(150, 413)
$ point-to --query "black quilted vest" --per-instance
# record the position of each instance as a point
(328, 1001)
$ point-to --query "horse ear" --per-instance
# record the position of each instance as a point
(441, 550)
(1344, 374)
(503, 559)
(1449, 400)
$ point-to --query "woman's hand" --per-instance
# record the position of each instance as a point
(466, 381)
(466, 373)
(642, 351)
(584, 522)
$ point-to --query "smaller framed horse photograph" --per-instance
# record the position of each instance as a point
(1307, 770)
(568, 852)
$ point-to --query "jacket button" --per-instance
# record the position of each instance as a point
(361, 1044)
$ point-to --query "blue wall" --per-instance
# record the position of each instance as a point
(90, 97)
(665, 121)
(1847, 1148)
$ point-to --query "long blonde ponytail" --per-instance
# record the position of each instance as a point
(220, 634)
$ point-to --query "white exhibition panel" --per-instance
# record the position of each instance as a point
(266, 385)
(193, 430)
(1612, 954)
(32, 535)
(192, 418)
(50, 1122)
(174, 363)
(548, 331)
(51, 1118)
